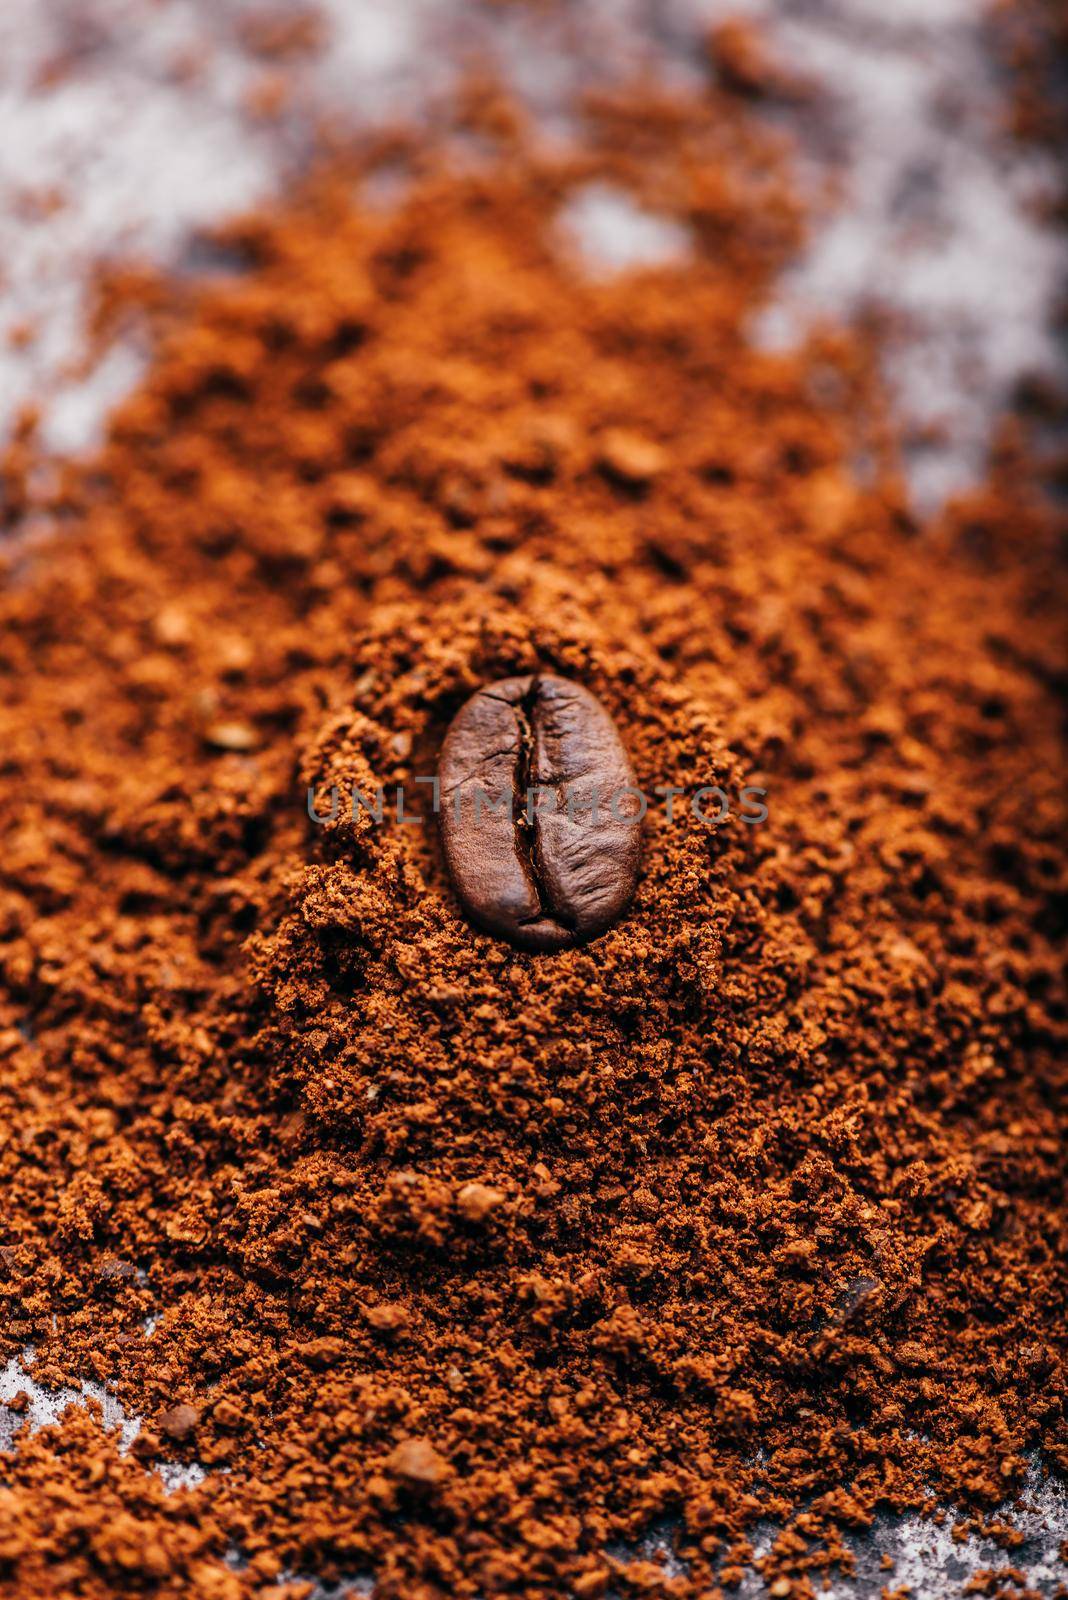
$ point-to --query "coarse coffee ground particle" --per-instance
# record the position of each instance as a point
(449, 1263)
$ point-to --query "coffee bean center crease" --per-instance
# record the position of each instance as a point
(533, 775)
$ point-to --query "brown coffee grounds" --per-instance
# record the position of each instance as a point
(452, 1264)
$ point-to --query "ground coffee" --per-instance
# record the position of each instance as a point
(445, 1261)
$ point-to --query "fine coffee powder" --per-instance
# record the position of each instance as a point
(540, 816)
(448, 1262)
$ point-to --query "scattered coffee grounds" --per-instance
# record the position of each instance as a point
(447, 1262)
(540, 816)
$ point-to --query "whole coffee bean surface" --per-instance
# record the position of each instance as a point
(540, 817)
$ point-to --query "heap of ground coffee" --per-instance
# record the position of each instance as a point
(451, 1262)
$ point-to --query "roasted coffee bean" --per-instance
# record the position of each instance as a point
(540, 817)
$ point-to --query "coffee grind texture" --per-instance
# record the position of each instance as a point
(449, 1262)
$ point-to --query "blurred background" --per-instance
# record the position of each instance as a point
(928, 160)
